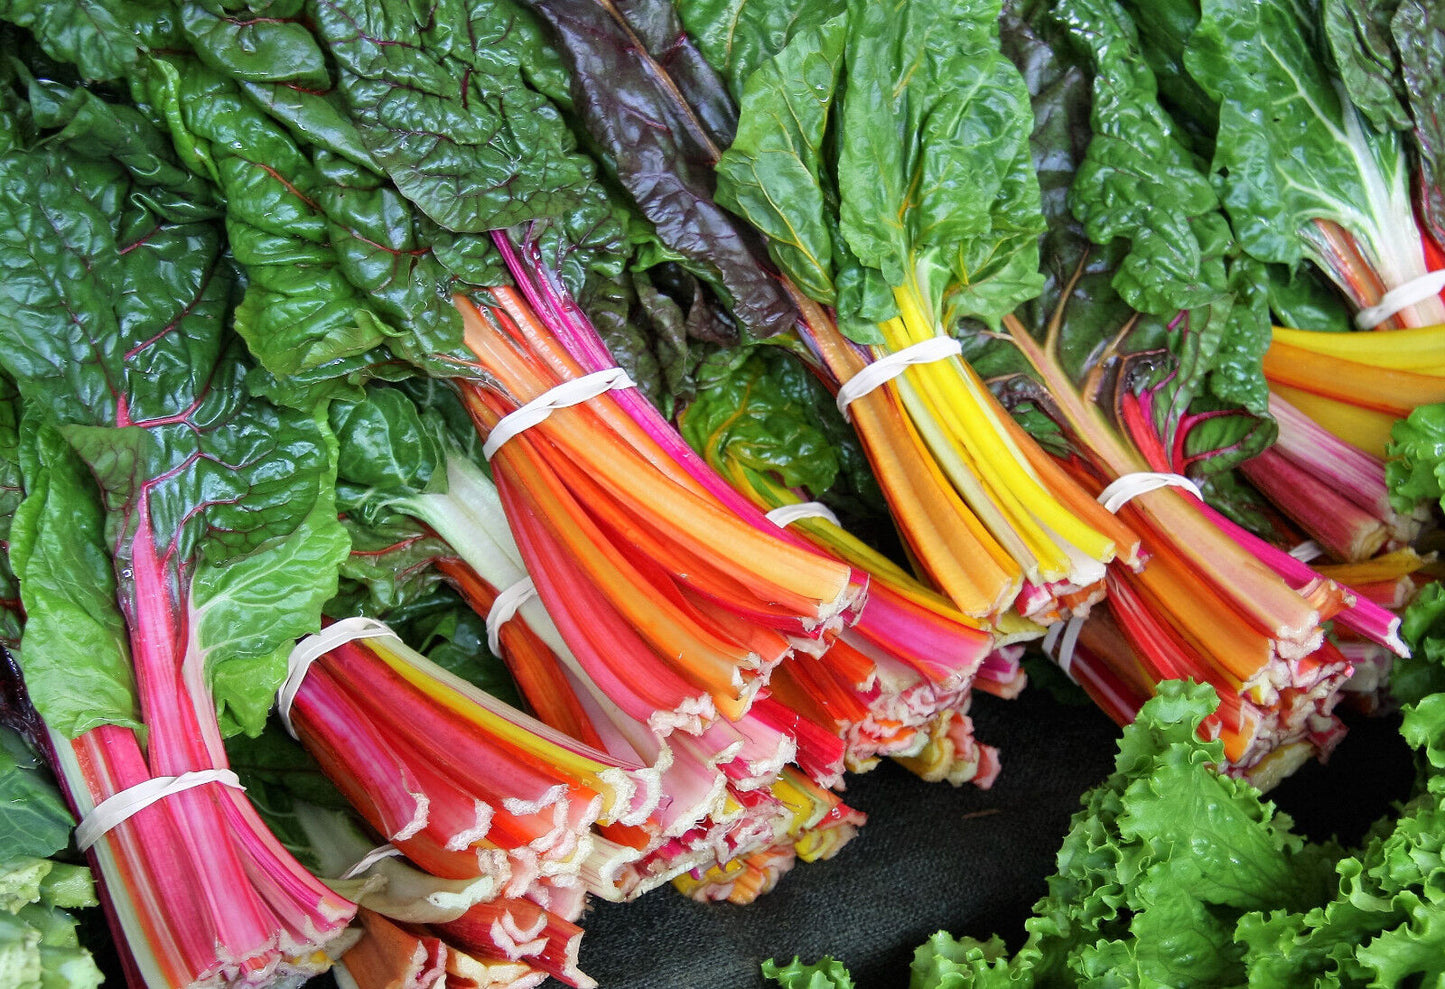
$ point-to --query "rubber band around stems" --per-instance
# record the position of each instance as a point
(313, 647)
(890, 366)
(1064, 635)
(120, 807)
(1401, 297)
(1130, 486)
(504, 607)
(1307, 551)
(369, 859)
(786, 515)
(568, 393)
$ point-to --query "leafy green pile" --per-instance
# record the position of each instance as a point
(310, 181)
(1174, 875)
(39, 942)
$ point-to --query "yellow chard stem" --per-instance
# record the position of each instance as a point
(960, 398)
(1421, 348)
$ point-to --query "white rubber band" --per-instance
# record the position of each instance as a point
(1401, 297)
(1064, 635)
(369, 859)
(312, 648)
(573, 392)
(504, 608)
(1125, 489)
(1307, 551)
(788, 514)
(890, 366)
(115, 810)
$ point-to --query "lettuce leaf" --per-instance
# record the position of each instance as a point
(1415, 470)
(34, 816)
(828, 973)
(1164, 858)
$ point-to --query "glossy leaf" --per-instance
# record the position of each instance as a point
(662, 154)
(774, 172)
(121, 343)
(738, 36)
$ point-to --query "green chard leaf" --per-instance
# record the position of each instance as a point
(439, 100)
(1138, 181)
(1358, 34)
(761, 413)
(758, 414)
(1162, 313)
(1418, 28)
(441, 103)
(773, 173)
(1304, 299)
(391, 567)
(264, 42)
(658, 324)
(930, 190)
(12, 493)
(954, 205)
(337, 262)
(1263, 63)
(661, 149)
(389, 451)
(216, 505)
(738, 36)
(103, 39)
(269, 51)
(75, 652)
(1165, 28)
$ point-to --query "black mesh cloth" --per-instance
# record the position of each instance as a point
(934, 857)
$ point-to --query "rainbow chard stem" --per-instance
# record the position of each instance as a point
(505, 807)
(897, 682)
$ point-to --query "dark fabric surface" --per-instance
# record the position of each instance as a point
(933, 857)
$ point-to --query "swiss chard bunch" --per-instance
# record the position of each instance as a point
(1143, 355)
(1260, 77)
(176, 536)
(922, 208)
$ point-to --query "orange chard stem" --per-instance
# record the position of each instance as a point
(1388, 390)
(945, 537)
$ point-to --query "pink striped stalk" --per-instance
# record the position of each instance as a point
(1349, 470)
(1361, 615)
(199, 890)
(1342, 528)
(1330, 488)
(480, 790)
(519, 930)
